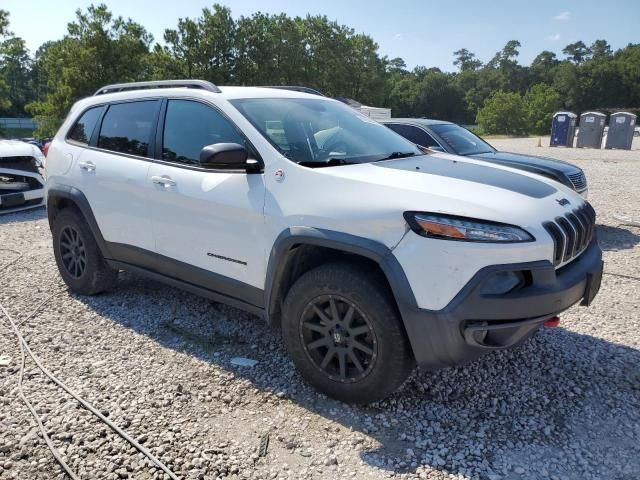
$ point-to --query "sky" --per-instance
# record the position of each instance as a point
(422, 32)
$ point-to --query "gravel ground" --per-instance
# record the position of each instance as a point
(565, 405)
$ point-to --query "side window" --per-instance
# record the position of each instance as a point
(414, 134)
(127, 127)
(191, 126)
(83, 128)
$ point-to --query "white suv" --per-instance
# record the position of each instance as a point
(370, 255)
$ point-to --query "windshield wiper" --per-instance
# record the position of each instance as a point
(331, 162)
(394, 155)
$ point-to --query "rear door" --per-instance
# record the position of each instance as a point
(113, 174)
(208, 219)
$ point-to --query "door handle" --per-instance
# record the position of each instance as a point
(163, 180)
(88, 166)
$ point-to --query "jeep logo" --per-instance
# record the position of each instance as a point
(563, 202)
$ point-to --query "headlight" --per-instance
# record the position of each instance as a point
(452, 227)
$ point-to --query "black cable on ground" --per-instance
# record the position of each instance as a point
(26, 401)
(622, 275)
(24, 349)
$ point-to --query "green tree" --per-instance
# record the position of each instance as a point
(98, 49)
(15, 71)
(266, 49)
(600, 49)
(466, 60)
(397, 65)
(566, 82)
(626, 63)
(5, 101)
(540, 102)
(366, 81)
(542, 69)
(577, 52)
(200, 48)
(4, 23)
(503, 113)
(270, 50)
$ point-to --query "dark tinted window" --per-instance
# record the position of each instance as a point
(461, 140)
(82, 130)
(414, 134)
(190, 126)
(127, 127)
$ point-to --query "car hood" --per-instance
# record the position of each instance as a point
(16, 148)
(29, 158)
(450, 184)
(528, 162)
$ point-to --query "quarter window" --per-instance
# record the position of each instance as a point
(83, 129)
(127, 127)
(191, 126)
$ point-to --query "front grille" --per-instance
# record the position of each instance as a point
(27, 164)
(11, 183)
(578, 180)
(572, 233)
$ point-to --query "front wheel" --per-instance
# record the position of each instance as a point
(343, 332)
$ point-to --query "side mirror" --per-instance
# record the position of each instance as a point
(436, 149)
(226, 156)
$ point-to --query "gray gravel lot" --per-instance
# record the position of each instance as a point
(566, 405)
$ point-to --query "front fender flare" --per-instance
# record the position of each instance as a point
(376, 251)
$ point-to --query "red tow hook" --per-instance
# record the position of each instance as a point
(552, 322)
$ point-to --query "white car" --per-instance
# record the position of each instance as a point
(368, 254)
(21, 180)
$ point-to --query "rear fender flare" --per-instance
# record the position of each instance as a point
(68, 194)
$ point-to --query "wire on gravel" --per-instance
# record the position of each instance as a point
(24, 349)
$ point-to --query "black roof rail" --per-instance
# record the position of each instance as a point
(296, 88)
(123, 87)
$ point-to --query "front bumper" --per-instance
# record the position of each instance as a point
(20, 190)
(474, 323)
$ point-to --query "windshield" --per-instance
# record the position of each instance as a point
(461, 140)
(318, 132)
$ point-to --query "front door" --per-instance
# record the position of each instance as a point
(210, 220)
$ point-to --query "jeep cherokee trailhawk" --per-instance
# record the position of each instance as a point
(368, 254)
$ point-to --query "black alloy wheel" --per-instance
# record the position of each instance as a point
(338, 338)
(73, 251)
(78, 257)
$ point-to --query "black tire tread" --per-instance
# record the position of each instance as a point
(99, 276)
(371, 294)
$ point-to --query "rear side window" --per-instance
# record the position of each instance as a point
(82, 130)
(190, 126)
(127, 127)
(414, 134)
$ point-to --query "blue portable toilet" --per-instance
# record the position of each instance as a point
(563, 129)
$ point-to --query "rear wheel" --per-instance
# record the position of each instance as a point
(344, 334)
(81, 265)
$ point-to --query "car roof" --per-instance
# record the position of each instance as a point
(225, 92)
(418, 121)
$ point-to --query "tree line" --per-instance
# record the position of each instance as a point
(501, 95)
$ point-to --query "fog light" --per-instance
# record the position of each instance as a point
(502, 282)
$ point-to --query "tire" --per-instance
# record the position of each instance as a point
(80, 263)
(371, 335)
